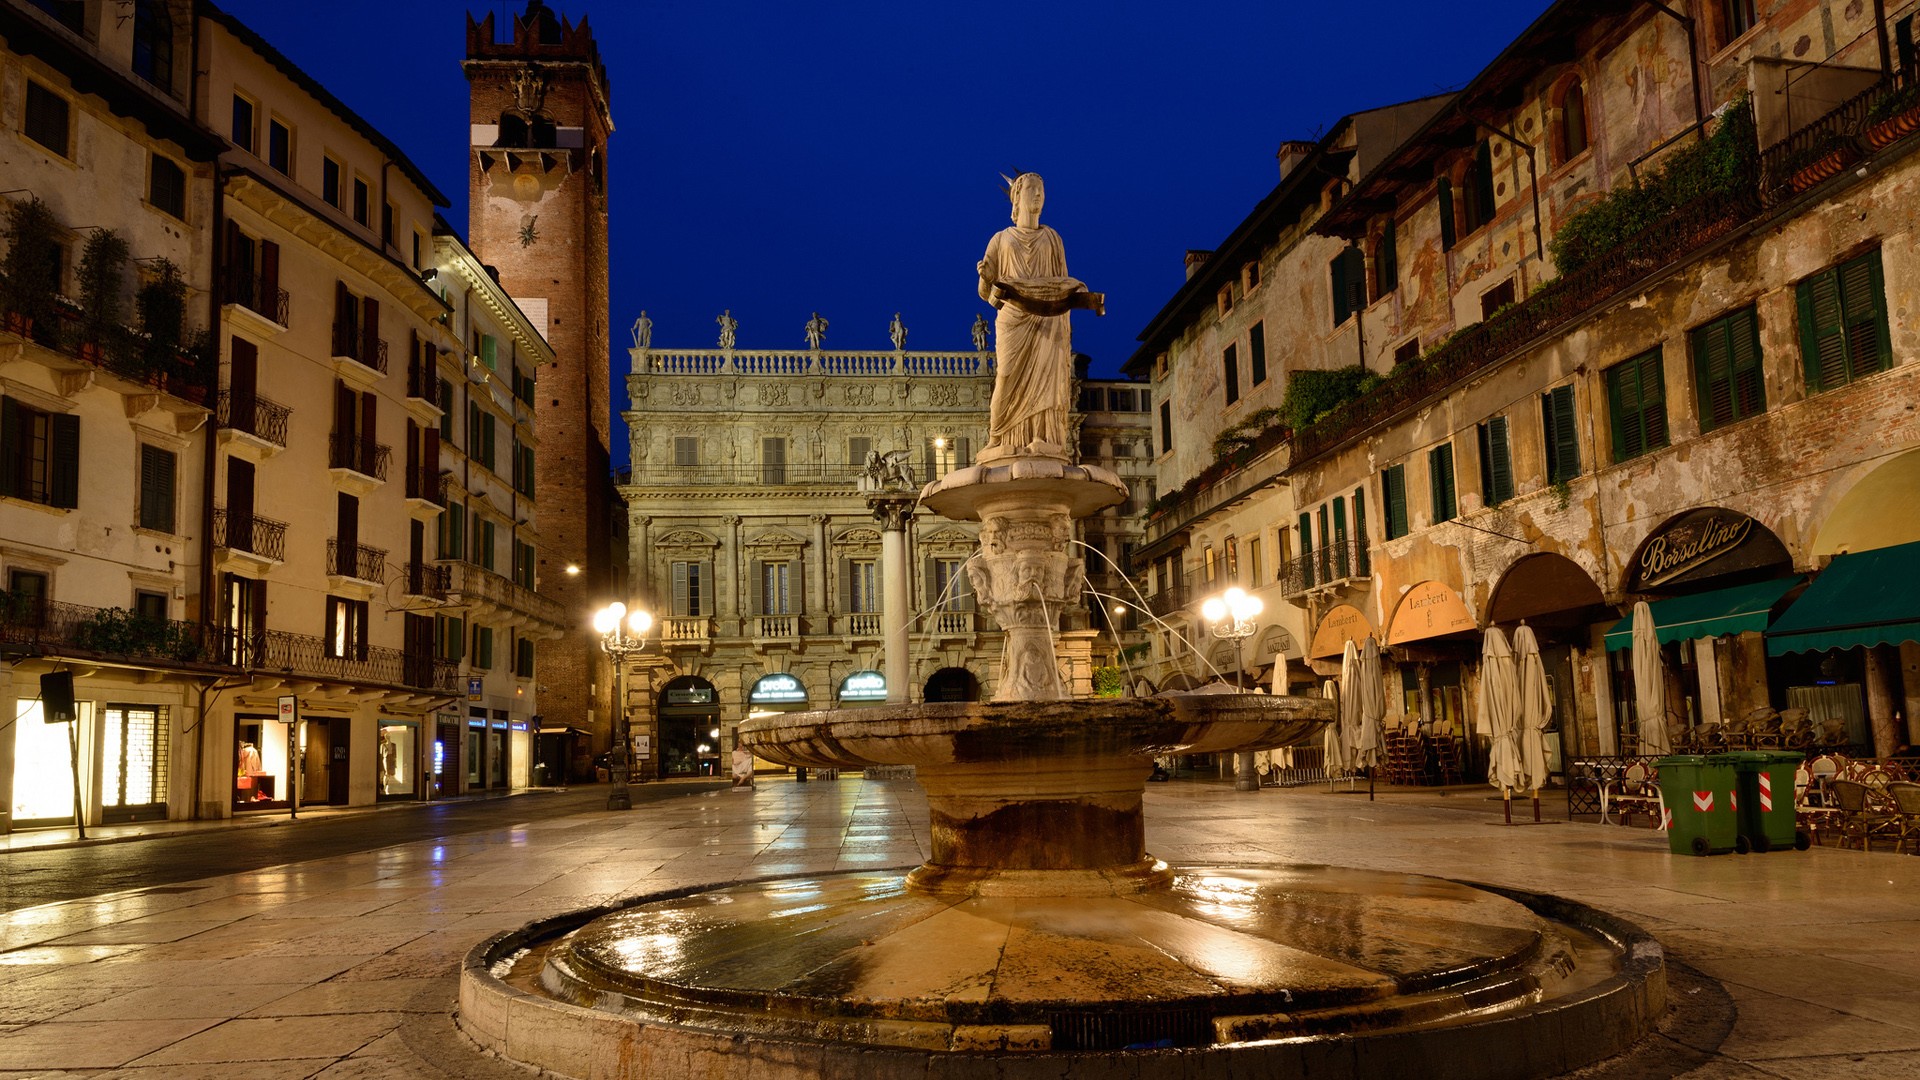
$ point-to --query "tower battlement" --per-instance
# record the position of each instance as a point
(539, 36)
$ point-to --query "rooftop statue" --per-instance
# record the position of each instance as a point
(816, 331)
(1024, 277)
(728, 327)
(897, 330)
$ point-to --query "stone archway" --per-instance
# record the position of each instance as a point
(952, 684)
(1877, 511)
(1545, 589)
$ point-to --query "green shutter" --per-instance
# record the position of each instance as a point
(1653, 399)
(1502, 457)
(1306, 550)
(1562, 438)
(1823, 339)
(1440, 482)
(1393, 484)
(1341, 565)
(1862, 300)
(1360, 562)
(1749, 378)
(1713, 374)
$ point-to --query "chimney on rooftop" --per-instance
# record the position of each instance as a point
(1195, 260)
(1291, 154)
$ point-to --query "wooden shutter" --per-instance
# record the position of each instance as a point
(1822, 332)
(1713, 374)
(456, 516)
(348, 528)
(1443, 187)
(1562, 441)
(345, 319)
(13, 457)
(929, 462)
(369, 408)
(846, 586)
(270, 279)
(1862, 294)
(257, 616)
(370, 332)
(963, 454)
(680, 588)
(1440, 482)
(1749, 378)
(63, 472)
(1256, 354)
(243, 379)
(756, 584)
(235, 259)
(1230, 368)
(156, 488)
(346, 412)
(1393, 484)
(857, 447)
(797, 587)
(1650, 377)
(1337, 282)
(239, 501)
(1360, 532)
(708, 589)
(1501, 453)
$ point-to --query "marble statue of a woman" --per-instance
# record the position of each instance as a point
(1024, 276)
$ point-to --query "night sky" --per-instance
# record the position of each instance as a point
(782, 158)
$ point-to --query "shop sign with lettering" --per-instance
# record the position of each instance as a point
(1429, 609)
(864, 686)
(1703, 543)
(777, 689)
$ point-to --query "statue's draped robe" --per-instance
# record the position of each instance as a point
(1033, 390)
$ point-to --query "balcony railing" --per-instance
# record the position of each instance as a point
(1841, 136)
(359, 455)
(250, 533)
(686, 628)
(1169, 601)
(356, 561)
(423, 381)
(776, 626)
(264, 420)
(950, 622)
(831, 474)
(52, 626)
(427, 483)
(430, 580)
(1330, 565)
(473, 584)
(183, 369)
(257, 294)
(349, 342)
(804, 362)
(864, 624)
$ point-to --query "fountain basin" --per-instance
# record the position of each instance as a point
(1039, 798)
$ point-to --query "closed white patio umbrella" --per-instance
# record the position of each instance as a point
(1535, 711)
(1499, 704)
(1649, 684)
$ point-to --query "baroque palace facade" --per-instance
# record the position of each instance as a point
(752, 542)
(1629, 317)
(268, 439)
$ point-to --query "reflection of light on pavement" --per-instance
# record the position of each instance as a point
(438, 854)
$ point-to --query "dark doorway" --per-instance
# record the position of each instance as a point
(953, 684)
(324, 773)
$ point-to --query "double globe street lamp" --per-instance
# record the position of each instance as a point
(622, 633)
(1232, 615)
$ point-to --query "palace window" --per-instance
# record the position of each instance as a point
(1348, 275)
(1572, 132)
(692, 588)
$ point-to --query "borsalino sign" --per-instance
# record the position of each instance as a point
(1687, 545)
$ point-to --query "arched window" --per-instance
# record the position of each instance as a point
(1573, 121)
(153, 42)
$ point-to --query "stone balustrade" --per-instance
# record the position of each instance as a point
(809, 362)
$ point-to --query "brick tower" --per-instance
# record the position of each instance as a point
(537, 213)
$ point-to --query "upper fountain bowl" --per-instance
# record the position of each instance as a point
(983, 732)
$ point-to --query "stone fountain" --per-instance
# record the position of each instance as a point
(1041, 937)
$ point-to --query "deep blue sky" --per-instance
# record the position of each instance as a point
(778, 158)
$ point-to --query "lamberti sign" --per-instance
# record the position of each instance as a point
(1703, 543)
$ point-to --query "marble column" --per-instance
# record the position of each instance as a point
(1881, 702)
(893, 512)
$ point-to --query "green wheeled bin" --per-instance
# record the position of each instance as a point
(1699, 796)
(1764, 779)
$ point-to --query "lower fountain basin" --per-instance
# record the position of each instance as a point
(1288, 971)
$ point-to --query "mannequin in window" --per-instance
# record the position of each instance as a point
(389, 756)
(249, 760)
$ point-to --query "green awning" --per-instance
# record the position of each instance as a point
(1732, 610)
(1867, 598)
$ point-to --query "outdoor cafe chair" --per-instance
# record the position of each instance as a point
(1859, 819)
(1635, 792)
(1906, 814)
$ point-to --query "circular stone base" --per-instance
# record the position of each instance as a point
(1319, 971)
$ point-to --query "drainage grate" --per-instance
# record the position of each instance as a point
(1132, 1029)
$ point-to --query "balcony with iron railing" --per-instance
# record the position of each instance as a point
(1332, 565)
(350, 343)
(258, 294)
(357, 561)
(1170, 600)
(315, 657)
(261, 537)
(428, 484)
(255, 416)
(357, 455)
(55, 628)
(473, 586)
(429, 580)
(423, 381)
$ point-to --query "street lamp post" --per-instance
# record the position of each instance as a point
(1232, 615)
(622, 633)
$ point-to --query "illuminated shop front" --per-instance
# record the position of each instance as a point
(397, 760)
(868, 687)
(261, 777)
(43, 767)
(689, 728)
(133, 762)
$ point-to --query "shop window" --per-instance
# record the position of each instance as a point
(1393, 494)
(39, 455)
(1347, 274)
(260, 753)
(133, 761)
(156, 488)
(1728, 381)
(1572, 131)
(1257, 352)
(1496, 462)
(1637, 404)
(1561, 433)
(346, 628)
(243, 123)
(1230, 369)
(1843, 323)
(398, 757)
(1386, 259)
(47, 118)
(1440, 482)
(167, 187)
(693, 588)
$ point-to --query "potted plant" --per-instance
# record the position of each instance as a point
(1893, 117)
(103, 266)
(32, 267)
(1824, 156)
(163, 311)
